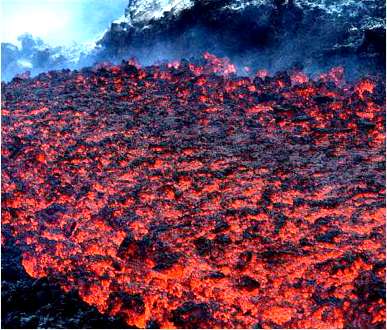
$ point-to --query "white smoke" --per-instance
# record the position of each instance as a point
(40, 35)
(58, 22)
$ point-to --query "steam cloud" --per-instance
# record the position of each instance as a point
(30, 43)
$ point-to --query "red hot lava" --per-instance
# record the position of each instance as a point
(181, 195)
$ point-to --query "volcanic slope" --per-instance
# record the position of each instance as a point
(181, 195)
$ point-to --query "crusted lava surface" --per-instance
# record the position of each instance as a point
(40, 303)
(181, 195)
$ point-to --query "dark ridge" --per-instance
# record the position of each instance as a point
(267, 34)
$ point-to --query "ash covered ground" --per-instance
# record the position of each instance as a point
(186, 195)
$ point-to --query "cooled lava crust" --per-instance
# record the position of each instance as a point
(184, 196)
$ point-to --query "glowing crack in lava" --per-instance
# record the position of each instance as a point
(181, 195)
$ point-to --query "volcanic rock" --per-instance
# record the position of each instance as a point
(212, 209)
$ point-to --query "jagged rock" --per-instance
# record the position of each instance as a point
(271, 34)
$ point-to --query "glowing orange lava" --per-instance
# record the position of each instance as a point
(181, 195)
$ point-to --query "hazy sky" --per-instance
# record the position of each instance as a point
(58, 22)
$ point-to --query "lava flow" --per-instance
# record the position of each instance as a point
(182, 195)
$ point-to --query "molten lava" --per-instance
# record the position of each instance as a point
(182, 195)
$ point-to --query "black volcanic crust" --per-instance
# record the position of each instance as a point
(31, 303)
(270, 34)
